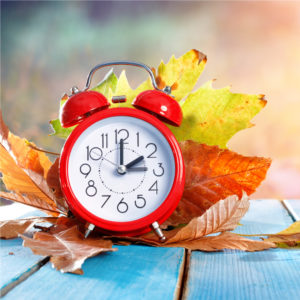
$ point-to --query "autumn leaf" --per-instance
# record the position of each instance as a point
(288, 238)
(60, 131)
(24, 171)
(210, 116)
(213, 116)
(225, 240)
(213, 174)
(108, 85)
(54, 184)
(12, 228)
(68, 248)
(31, 200)
(222, 216)
(182, 73)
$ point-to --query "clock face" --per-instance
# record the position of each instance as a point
(121, 168)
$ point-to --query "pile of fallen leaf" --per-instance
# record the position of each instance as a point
(218, 181)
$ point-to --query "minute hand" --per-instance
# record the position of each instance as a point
(135, 161)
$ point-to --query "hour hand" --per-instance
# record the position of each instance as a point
(121, 152)
(135, 161)
(143, 169)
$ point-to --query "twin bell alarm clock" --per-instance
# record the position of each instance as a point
(121, 169)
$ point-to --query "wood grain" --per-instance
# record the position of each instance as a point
(133, 272)
(272, 274)
(17, 263)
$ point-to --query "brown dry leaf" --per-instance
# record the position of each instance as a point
(24, 171)
(224, 215)
(213, 174)
(54, 184)
(287, 238)
(67, 248)
(12, 228)
(31, 200)
(64, 223)
(225, 240)
(284, 241)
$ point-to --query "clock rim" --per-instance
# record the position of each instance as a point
(143, 224)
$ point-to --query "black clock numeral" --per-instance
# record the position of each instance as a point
(154, 187)
(107, 198)
(85, 169)
(161, 172)
(124, 132)
(95, 153)
(104, 140)
(137, 139)
(91, 190)
(138, 203)
(122, 206)
(152, 145)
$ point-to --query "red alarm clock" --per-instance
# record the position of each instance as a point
(121, 169)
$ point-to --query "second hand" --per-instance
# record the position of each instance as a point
(109, 161)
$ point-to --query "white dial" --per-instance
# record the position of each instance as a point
(121, 168)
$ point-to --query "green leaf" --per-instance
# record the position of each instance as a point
(213, 116)
(60, 131)
(108, 85)
(210, 116)
(124, 88)
(181, 73)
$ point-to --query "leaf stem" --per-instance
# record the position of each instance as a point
(41, 150)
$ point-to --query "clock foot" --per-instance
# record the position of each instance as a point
(89, 230)
(158, 232)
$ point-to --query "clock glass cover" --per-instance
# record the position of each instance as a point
(121, 168)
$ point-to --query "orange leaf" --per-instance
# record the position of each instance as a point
(31, 200)
(24, 172)
(213, 174)
(68, 248)
(225, 240)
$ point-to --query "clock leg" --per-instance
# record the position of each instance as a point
(158, 231)
(89, 229)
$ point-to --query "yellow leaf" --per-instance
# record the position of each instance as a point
(294, 228)
(287, 238)
(181, 73)
(213, 116)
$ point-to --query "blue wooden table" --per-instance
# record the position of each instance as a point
(141, 272)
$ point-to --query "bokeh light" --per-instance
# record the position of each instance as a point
(47, 47)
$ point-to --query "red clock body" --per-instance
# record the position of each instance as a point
(122, 169)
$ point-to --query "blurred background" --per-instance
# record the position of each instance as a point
(47, 47)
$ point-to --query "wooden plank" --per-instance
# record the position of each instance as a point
(133, 272)
(293, 207)
(271, 274)
(17, 263)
